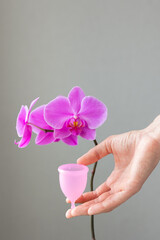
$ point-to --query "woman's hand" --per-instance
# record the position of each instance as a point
(136, 154)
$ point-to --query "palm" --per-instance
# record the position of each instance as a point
(123, 150)
(135, 158)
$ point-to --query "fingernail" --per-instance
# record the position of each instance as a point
(68, 215)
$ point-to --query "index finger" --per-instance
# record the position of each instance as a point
(96, 153)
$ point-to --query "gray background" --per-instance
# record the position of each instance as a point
(112, 50)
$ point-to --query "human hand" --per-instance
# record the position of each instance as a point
(136, 154)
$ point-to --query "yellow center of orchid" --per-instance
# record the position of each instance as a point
(75, 123)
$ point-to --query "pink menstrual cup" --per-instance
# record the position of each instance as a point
(73, 180)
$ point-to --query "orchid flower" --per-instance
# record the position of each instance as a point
(24, 130)
(75, 115)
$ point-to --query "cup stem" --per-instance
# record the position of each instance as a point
(72, 205)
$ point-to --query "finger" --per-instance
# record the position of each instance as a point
(110, 203)
(96, 153)
(80, 210)
(92, 195)
(85, 197)
(67, 200)
(83, 208)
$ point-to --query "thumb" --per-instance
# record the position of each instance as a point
(96, 153)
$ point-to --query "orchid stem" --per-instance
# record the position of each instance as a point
(45, 130)
(91, 187)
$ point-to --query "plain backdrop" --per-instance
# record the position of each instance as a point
(111, 49)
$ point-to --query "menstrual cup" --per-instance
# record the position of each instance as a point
(73, 180)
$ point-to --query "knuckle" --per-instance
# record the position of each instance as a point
(109, 144)
(97, 154)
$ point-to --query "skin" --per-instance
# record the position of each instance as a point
(136, 154)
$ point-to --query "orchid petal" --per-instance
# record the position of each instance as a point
(26, 107)
(56, 140)
(87, 133)
(75, 97)
(26, 137)
(76, 131)
(93, 111)
(44, 138)
(62, 133)
(57, 112)
(37, 119)
(31, 105)
(21, 121)
(71, 140)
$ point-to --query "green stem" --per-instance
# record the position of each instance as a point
(45, 130)
(91, 187)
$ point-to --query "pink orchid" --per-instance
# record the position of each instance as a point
(24, 130)
(45, 133)
(76, 115)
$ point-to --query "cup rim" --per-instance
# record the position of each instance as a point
(82, 168)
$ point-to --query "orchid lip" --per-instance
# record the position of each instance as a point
(75, 123)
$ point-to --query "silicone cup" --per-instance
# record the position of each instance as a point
(73, 180)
